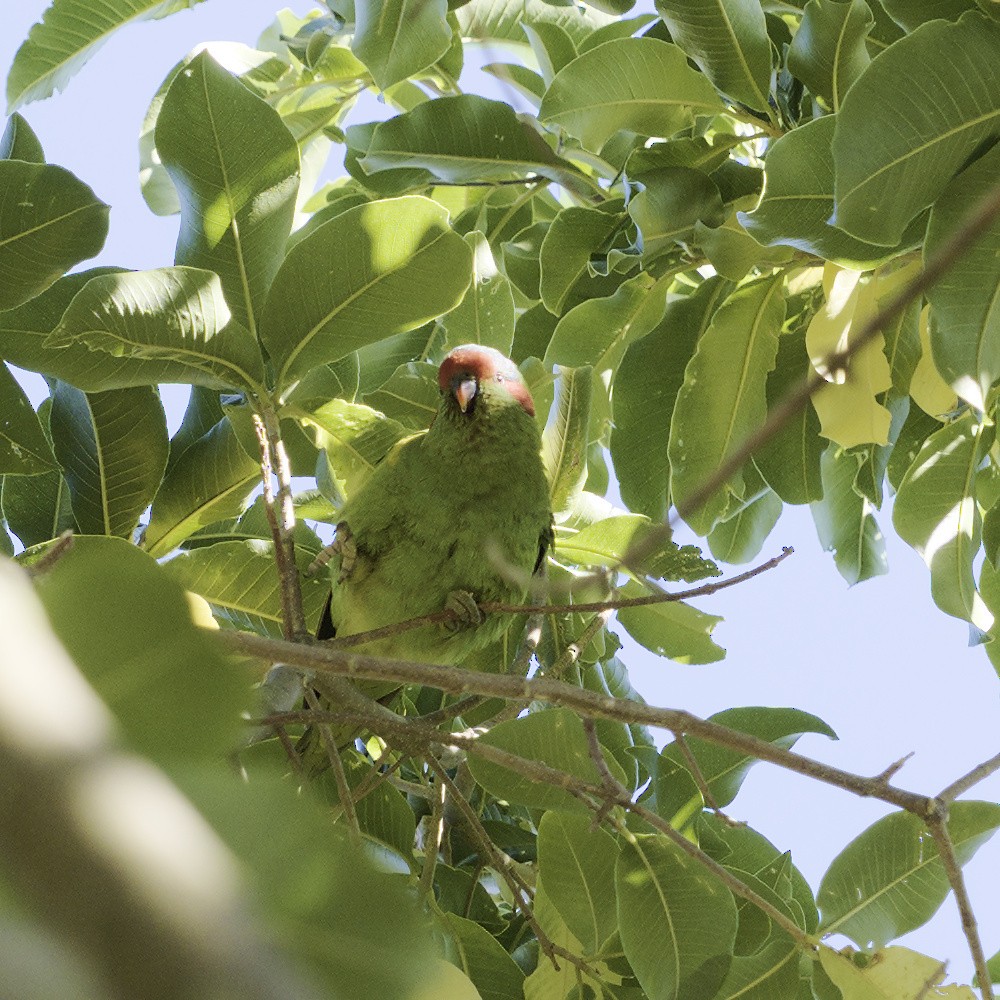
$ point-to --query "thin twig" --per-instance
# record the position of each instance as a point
(52, 554)
(337, 766)
(454, 680)
(615, 604)
(937, 824)
(432, 843)
(695, 768)
(979, 773)
(504, 867)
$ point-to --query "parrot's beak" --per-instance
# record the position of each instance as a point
(465, 392)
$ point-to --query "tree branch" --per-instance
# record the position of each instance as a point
(454, 680)
(937, 824)
(967, 781)
(614, 604)
(281, 518)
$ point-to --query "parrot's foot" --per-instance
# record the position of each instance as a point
(347, 549)
(344, 546)
(465, 609)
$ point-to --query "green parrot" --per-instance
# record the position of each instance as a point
(442, 516)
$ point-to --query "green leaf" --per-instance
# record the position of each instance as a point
(486, 314)
(936, 512)
(69, 33)
(673, 629)
(828, 52)
(19, 142)
(965, 303)
(725, 770)
(396, 39)
(740, 538)
(723, 398)
(482, 958)
(604, 542)
(728, 41)
(678, 922)
(577, 864)
(595, 95)
(502, 20)
(24, 330)
(672, 201)
(167, 325)
(889, 880)
(597, 332)
(128, 627)
(355, 437)
(552, 47)
(113, 450)
(645, 389)
(461, 139)
(50, 221)
(798, 200)
(565, 439)
(790, 460)
(236, 170)
(409, 396)
(24, 451)
(910, 14)
(211, 481)
(554, 737)
(741, 848)
(399, 265)
(239, 580)
(573, 238)
(844, 520)
(894, 155)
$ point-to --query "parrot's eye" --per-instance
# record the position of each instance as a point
(499, 377)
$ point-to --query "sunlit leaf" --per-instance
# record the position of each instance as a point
(723, 398)
(828, 52)
(965, 303)
(678, 922)
(69, 33)
(646, 386)
(168, 325)
(894, 155)
(595, 95)
(240, 582)
(486, 314)
(113, 450)
(890, 880)
(797, 202)
(399, 266)
(397, 38)
(577, 863)
(50, 221)
(728, 41)
(936, 512)
(211, 481)
(849, 407)
(24, 450)
(236, 170)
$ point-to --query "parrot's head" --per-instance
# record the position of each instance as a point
(473, 377)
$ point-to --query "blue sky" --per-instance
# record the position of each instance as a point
(878, 662)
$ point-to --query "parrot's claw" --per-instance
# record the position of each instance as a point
(344, 546)
(347, 549)
(465, 609)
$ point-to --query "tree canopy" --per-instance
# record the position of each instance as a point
(745, 253)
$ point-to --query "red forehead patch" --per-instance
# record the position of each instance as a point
(485, 364)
